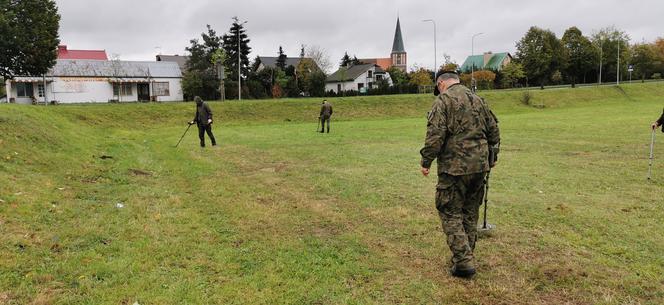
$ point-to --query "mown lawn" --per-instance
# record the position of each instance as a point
(279, 214)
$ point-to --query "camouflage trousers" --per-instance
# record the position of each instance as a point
(458, 200)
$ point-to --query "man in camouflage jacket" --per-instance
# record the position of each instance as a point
(460, 131)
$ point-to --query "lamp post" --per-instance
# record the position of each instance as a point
(618, 66)
(435, 47)
(472, 64)
(239, 59)
(601, 49)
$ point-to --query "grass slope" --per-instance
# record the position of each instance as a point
(282, 215)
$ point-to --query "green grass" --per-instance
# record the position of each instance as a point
(279, 214)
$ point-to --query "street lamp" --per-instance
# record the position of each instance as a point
(435, 51)
(472, 64)
(239, 59)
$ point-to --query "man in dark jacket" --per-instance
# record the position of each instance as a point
(659, 122)
(325, 114)
(203, 118)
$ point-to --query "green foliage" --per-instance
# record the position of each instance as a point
(512, 74)
(421, 77)
(201, 78)
(281, 60)
(583, 56)
(645, 60)
(345, 60)
(237, 35)
(28, 37)
(541, 54)
(608, 40)
(484, 79)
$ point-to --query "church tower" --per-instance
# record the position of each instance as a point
(399, 56)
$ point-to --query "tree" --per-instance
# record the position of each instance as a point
(645, 61)
(306, 70)
(582, 55)
(421, 77)
(512, 73)
(356, 61)
(449, 64)
(236, 36)
(320, 57)
(484, 79)
(201, 78)
(541, 54)
(345, 60)
(281, 59)
(28, 37)
(608, 40)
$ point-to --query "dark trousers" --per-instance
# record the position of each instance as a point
(202, 129)
(324, 119)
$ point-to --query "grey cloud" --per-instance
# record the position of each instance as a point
(364, 28)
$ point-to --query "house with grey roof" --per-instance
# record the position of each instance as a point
(99, 81)
(356, 78)
(487, 61)
(271, 62)
(180, 60)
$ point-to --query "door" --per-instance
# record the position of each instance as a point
(143, 91)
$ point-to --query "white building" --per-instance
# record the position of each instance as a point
(100, 81)
(356, 78)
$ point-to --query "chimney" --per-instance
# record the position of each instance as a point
(62, 47)
(487, 57)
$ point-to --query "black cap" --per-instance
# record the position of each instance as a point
(436, 92)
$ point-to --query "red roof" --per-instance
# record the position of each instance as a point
(64, 53)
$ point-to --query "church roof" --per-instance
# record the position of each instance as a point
(397, 45)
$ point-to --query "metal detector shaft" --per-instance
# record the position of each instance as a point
(184, 134)
(652, 155)
(486, 198)
(319, 123)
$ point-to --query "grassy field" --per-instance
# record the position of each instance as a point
(279, 214)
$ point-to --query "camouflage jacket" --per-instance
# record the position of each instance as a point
(660, 121)
(459, 131)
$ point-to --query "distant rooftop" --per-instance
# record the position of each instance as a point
(180, 60)
(108, 68)
(64, 53)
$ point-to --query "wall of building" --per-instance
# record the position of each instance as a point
(362, 79)
(92, 90)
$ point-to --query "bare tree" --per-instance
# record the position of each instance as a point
(320, 57)
(116, 70)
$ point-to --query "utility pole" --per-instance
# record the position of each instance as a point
(601, 49)
(239, 58)
(618, 66)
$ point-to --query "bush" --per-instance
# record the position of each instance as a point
(657, 76)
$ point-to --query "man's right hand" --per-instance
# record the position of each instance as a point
(190, 123)
(654, 126)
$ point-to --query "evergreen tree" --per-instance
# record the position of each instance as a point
(28, 37)
(345, 61)
(281, 59)
(236, 36)
(201, 78)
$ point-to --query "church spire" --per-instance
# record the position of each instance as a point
(397, 45)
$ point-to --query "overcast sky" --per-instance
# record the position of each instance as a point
(134, 29)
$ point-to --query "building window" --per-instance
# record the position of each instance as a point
(24, 90)
(370, 85)
(122, 89)
(379, 77)
(369, 74)
(40, 90)
(160, 89)
(360, 86)
(338, 88)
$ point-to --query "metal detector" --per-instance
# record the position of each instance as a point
(486, 228)
(184, 134)
(652, 153)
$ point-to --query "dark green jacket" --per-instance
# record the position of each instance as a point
(203, 113)
(326, 110)
(459, 131)
(660, 121)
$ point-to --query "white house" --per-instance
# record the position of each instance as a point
(356, 78)
(100, 81)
